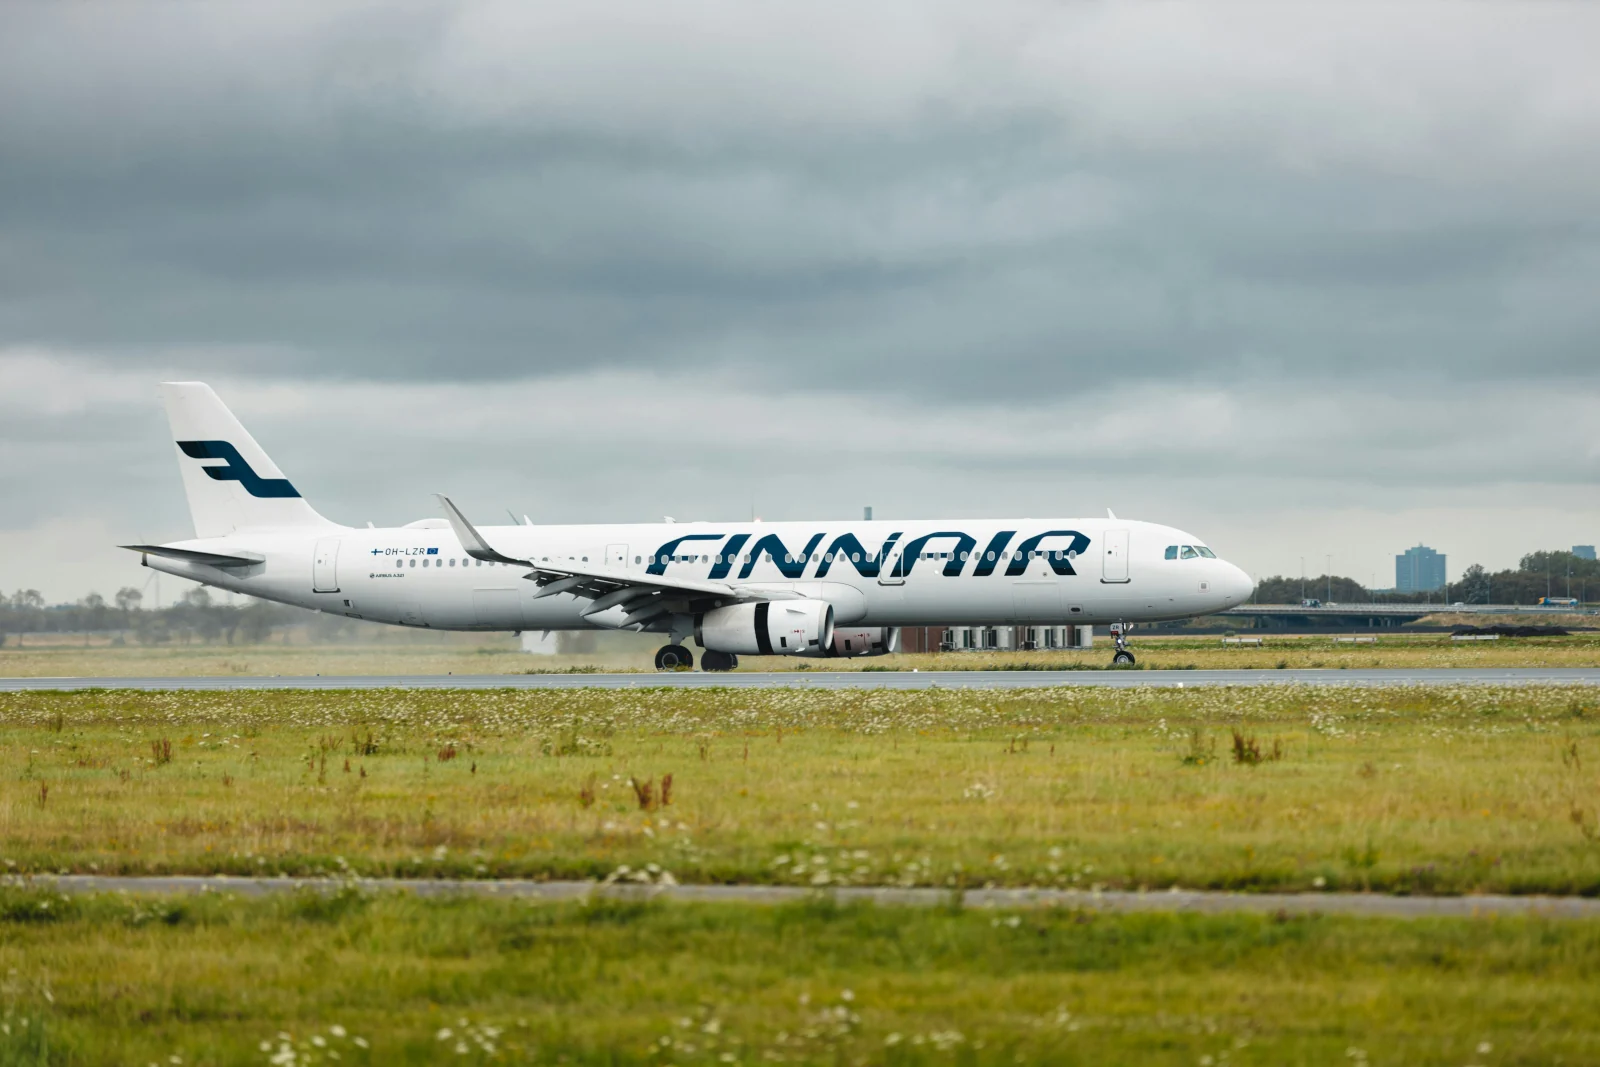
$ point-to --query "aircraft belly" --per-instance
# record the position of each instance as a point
(940, 600)
(559, 612)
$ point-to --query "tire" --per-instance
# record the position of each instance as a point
(674, 658)
(717, 661)
(1122, 659)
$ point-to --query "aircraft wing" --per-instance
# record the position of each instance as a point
(641, 595)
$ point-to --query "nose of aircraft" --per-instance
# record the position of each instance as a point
(1236, 584)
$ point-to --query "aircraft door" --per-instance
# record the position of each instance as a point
(324, 566)
(889, 573)
(1114, 557)
(616, 556)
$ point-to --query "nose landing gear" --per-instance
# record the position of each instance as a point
(1119, 634)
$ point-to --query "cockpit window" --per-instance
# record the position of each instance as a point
(1204, 551)
(1189, 552)
(1172, 551)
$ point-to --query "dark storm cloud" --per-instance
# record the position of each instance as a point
(1277, 271)
(488, 192)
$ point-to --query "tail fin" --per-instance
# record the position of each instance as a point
(230, 482)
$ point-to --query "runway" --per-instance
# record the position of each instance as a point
(1113, 679)
(1174, 901)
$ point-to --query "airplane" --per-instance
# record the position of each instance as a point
(814, 589)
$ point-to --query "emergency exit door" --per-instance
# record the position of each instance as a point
(1114, 557)
(616, 555)
(325, 566)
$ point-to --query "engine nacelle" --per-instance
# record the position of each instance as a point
(864, 641)
(768, 628)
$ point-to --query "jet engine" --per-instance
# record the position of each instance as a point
(864, 641)
(768, 628)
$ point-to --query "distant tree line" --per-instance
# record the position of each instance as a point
(196, 617)
(1538, 574)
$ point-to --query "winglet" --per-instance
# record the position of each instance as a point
(1111, 515)
(471, 540)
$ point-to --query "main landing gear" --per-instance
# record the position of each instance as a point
(718, 661)
(1119, 634)
(678, 658)
(674, 658)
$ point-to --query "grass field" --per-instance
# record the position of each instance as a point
(500, 656)
(379, 980)
(1303, 788)
(1426, 789)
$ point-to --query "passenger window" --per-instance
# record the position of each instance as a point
(635, 560)
(1206, 552)
(855, 557)
(1172, 551)
(452, 561)
(1189, 552)
(413, 563)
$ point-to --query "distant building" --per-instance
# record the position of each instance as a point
(1583, 551)
(1419, 570)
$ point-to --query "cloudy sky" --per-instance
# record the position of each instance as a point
(1308, 280)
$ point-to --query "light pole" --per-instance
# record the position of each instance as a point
(1302, 579)
(1329, 594)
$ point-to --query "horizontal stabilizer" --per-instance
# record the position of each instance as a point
(190, 555)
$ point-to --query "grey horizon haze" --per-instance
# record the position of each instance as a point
(1306, 280)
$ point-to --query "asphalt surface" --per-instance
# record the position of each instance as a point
(1363, 904)
(1114, 679)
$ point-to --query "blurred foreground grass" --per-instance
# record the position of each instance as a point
(1402, 789)
(358, 979)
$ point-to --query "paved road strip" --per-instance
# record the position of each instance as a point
(841, 680)
(1190, 901)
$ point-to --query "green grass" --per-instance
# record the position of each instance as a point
(1406, 790)
(494, 654)
(210, 979)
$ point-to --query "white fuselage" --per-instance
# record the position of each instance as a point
(915, 573)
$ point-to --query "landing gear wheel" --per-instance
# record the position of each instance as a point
(718, 661)
(674, 658)
(1119, 634)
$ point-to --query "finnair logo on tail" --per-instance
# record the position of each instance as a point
(235, 469)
